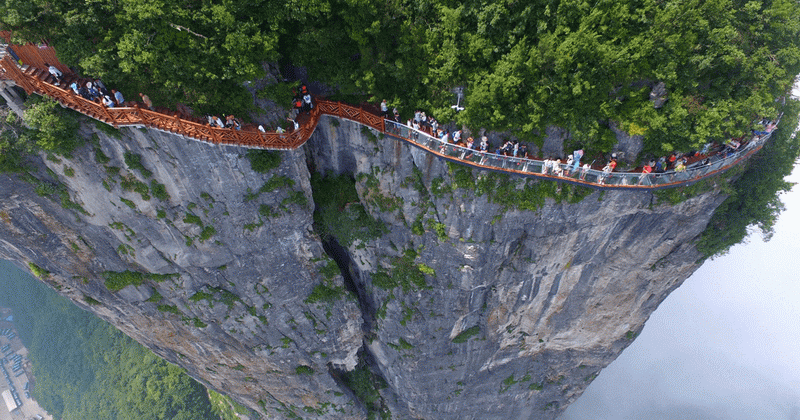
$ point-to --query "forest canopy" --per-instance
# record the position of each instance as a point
(582, 65)
(86, 369)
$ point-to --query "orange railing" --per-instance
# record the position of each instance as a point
(142, 117)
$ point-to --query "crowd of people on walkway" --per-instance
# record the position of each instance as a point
(95, 90)
(675, 163)
(303, 102)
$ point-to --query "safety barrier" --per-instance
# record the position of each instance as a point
(587, 177)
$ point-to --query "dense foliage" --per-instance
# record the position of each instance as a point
(50, 128)
(86, 369)
(578, 64)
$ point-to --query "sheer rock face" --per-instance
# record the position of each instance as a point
(552, 296)
(250, 334)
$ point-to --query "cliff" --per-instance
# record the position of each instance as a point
(468, 295)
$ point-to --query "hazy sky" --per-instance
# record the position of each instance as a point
(725, 345)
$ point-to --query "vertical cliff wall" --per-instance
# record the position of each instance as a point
(484, 297)
(521, 309)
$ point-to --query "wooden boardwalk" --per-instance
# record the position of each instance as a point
(33, 77)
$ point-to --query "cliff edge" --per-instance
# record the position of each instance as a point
(438, 292)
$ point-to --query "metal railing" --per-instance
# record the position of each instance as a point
(589, 177)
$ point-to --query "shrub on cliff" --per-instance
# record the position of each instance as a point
(263, 161)
(339, 213)
(55, 129)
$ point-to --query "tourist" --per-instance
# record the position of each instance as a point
(557, 169)
(608, 169)
(661, 165)
(93, 92)
(101, 87)
(108, 102)
(384, 109)
(523, 151)
(585, 170)
(118, 97)
(576, 157)
(55, 72)
(149, 103)
(84, 92)
(646, 169)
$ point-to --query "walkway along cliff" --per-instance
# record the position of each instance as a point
(35, 80)
(399, 285)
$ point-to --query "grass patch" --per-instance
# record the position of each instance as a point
(207, 233)
(403, 273)
(201, 296)
(159, 190)
(155, 297)
(90, 300)
(330, 270)
(38, 271)
(192, 219)
(324, 293)
(263, 161)
(465, 335)
(117, 280)
(304, 370)
(169, 308)
(130, 183)
(134, 162)
(128, 203)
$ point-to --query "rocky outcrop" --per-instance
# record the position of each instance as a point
(469, 306)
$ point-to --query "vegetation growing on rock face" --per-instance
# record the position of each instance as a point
(755, 199)
(524, 65)
(52, 129)
(465, 335)
(263, 161)
(339, 213)
(366, 386)
(117, 280)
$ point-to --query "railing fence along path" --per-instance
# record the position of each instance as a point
(33, 79)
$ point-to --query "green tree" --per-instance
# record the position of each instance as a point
(86, 369)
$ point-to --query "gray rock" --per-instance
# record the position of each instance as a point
(553, 294)
(659, 95)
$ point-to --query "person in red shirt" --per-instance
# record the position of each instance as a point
(646, 169)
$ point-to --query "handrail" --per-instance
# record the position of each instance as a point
(143, 117)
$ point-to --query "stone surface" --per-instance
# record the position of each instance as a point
(556, 293)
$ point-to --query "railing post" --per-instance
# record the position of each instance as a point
(108, 115)
(179, 125)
